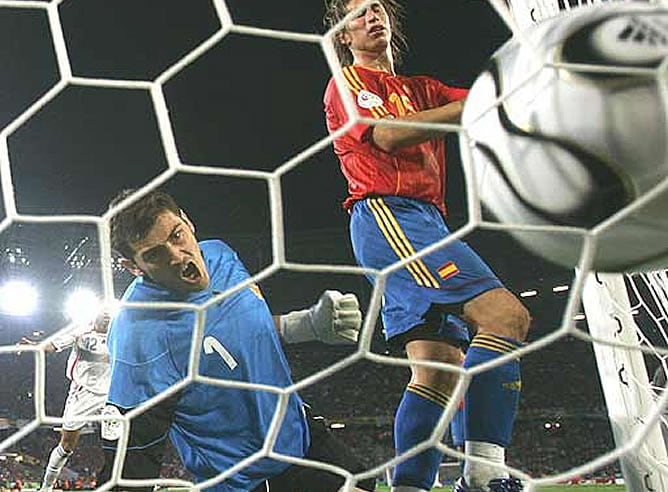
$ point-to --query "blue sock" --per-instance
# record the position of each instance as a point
(492, 397)
(419, 411)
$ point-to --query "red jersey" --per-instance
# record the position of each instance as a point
(415, 172)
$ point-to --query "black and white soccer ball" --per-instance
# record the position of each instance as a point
(569, 128)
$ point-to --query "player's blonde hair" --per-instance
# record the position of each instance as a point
(335, 10)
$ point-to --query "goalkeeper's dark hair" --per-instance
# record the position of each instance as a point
(133, 222)
(335, 10)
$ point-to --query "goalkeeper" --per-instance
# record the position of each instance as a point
(213, 428)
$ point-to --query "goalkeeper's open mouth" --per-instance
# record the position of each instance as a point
(191, 273)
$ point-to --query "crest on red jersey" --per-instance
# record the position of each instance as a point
(368, 100)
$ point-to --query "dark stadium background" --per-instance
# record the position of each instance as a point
(250, 103)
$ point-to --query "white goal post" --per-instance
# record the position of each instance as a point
(630, 400)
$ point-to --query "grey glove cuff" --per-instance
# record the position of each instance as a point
(297, 327)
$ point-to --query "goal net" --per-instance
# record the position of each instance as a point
(630, 345)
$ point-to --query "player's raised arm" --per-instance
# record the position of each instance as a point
(27, 341)
(335, 319)
(56, 345)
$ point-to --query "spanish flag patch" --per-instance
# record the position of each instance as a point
(448, 270)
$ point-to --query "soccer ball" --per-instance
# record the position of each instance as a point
(568, 127)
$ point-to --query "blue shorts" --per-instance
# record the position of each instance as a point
(387, 229)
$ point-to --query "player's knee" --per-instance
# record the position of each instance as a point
(441, 380)
(69, 440)
(438, 380)
(500, 313)
(512, 321)
(68, 447)
(520, 322)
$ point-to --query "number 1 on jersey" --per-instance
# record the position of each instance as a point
(211, 344)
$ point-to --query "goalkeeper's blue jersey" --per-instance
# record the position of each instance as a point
(213, 427)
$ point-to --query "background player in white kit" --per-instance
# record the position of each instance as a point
(88, 370)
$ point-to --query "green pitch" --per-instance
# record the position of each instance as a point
(582, 488)
(552, 488)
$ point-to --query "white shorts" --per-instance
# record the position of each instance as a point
(80, 403)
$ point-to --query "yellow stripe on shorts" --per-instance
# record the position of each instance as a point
(400, 244)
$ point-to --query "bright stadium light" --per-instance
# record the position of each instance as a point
(18, 298)
(82, 306)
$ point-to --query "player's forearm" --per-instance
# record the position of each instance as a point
(392, 138)
(50, 347)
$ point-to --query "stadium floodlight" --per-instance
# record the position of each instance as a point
(18, 298)
(82, 305)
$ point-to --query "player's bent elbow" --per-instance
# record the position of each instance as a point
(382, 138)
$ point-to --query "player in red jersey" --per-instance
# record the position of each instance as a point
(396, 184)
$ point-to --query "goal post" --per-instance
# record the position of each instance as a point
(626, 381)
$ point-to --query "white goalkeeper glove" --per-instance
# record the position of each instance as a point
(334, 319)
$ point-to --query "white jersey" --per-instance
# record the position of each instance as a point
(88, 363)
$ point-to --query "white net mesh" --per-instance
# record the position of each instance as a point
(274, 182)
